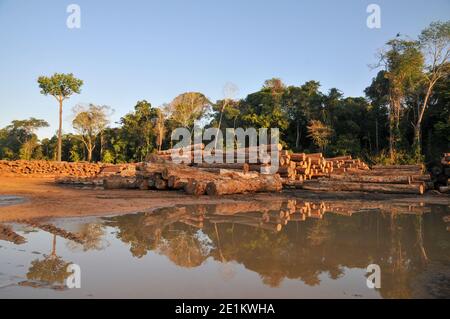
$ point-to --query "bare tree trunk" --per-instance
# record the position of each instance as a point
(101, 146)
(420, 113)
(59, 151)
(297, 139)
(376, 135)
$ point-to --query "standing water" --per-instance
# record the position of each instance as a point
(276, 249)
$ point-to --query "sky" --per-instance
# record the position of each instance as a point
(126, 51)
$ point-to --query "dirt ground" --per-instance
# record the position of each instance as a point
(44, 198)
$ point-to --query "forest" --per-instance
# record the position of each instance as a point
(403, 118)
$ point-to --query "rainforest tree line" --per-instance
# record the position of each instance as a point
(404, 116)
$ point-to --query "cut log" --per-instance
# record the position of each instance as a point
(327, 185)
(371, 179)
(118, 182)
(264, 183)
(399, 167)
(242, 166)
(444, 189)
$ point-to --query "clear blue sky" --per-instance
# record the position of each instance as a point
(126, 51)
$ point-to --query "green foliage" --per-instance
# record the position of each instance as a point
(60, 85)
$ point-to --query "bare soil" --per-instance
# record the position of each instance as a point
(44, 198)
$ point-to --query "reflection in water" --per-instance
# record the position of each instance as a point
(296, 240)
(313, 243)
(49, 272)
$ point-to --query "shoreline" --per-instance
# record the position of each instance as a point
(45, 199)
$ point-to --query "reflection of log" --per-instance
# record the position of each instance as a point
(267, 226)
(324, 185)
(264, 183)
(7, 233)
(372, 179)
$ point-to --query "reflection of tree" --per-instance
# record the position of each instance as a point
(92, 236)
(302, 250)
(184, 248)
(51, 270)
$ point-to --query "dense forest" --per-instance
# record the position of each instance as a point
(404, 116)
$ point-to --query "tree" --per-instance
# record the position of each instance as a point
(403, 63)
(319, 133)
(187, 108)
(160, 127)
(435, 44)
(138, 130)
(301, 103)
(61, 86)
(89, 122)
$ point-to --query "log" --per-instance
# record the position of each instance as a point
(195, 187)
(372, 179)
(326, 185)
(175, 182)
(160, 183)
(118, 182)
(399, 167)
(242, 166)
(264, 183)
(444, 189)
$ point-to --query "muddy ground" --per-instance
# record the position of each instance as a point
(44, 198)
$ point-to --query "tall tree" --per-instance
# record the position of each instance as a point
(89, 122)
(61, 87)
(435, 44)
(138, 131)
(403, 63)
(160, 127)
(187, 108)
(320, 134)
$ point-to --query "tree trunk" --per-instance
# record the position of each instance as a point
(59, 151)
(89, 154)
(297, 139)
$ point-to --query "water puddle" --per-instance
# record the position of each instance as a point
(258, 249)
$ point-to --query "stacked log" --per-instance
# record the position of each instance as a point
(396, 179)
(204, 180)
(49, 168)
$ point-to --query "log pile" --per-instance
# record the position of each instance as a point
(200, 180)
(293, 168)
(394, 179)
(49, 169)
(112, 173)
